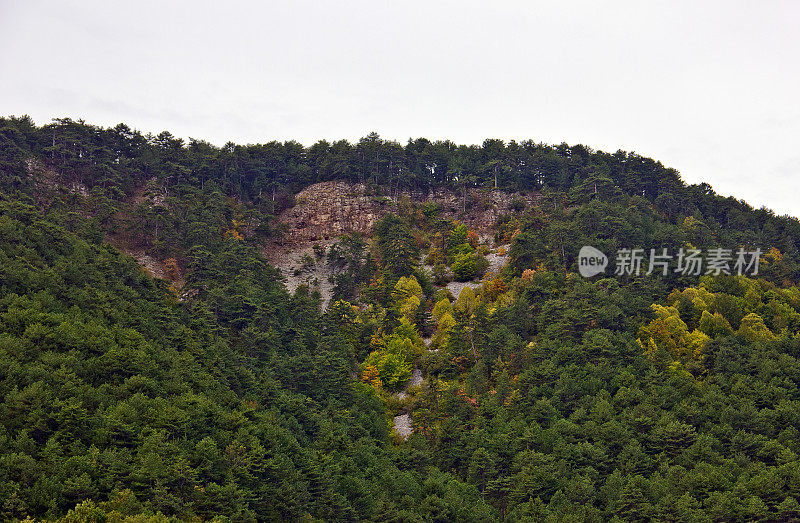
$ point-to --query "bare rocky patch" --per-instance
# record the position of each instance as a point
(304, 266)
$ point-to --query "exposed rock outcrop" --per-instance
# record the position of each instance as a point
(327, 210)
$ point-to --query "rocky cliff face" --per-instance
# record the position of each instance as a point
(325, 211)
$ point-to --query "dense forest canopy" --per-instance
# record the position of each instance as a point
(546, 396)
(114, 161)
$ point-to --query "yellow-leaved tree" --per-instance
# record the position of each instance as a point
(753, 328)
(667, 339)
(408, 295)
(443, 315)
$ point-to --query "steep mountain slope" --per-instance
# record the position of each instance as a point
(111, 390)
(545, 395)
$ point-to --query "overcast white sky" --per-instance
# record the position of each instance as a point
(710, 88)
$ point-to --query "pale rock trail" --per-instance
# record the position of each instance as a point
(416, 379)
(402, 425)
(496, 262)
(402, 422)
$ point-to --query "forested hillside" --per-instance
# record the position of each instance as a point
(213, 392)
